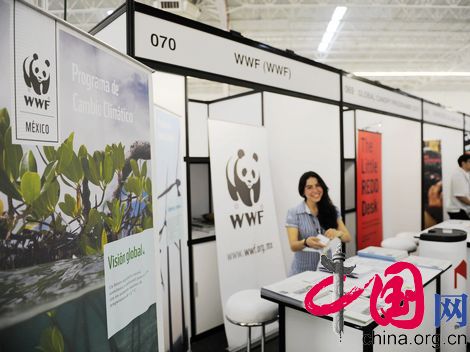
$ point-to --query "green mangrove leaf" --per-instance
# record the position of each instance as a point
(104, 239)
(98, 157)
(94, 169)
(119, 158)
(30, 186)
(13, 153)
(148, 222)
(117, 215)
(52, 195)
(50, 153)
(7, 187)
(64, 156)
(148, 186)
(94, 217)
(51, 340)
(82, 152)
(58, 224)
(4, 121)
(133, 185)
(28, 163)
(108, 170)
(68, 205)
(135, 167)
(143, 171)
(46, 203)
(74, 171)
(48, 175)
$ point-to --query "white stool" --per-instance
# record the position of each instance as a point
(414, 236)
(247, 308)
(399, 243)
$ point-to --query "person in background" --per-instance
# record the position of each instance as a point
(459, 204)
(315, 215)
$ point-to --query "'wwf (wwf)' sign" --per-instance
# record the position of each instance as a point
(35, 78)
(248, 244)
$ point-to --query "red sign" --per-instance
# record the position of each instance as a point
(461, 270)
(369, 189)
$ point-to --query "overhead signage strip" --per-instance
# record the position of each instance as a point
(439, 115)
(360, 93)
(172, 43)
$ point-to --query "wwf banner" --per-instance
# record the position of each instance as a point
(72, 208)
(248, 246)
(36, 119)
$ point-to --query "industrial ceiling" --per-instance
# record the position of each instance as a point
(420, 44)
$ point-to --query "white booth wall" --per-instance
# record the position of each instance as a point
(169, 94)
(451, 149)
(401, 170)
(114, 34)
(303, 135)
(244, 109)
(198, 114)
(349, 151)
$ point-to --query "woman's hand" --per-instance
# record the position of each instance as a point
(333, 233)
(314, 242)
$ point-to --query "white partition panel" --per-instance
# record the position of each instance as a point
(115, 34)
(208, 305)
(351, 246)
(349, 135)
(200, 202)
(245, 110)
(169, 94)
(451, 149)
(401, 170)
(197, 121)
(303, 135)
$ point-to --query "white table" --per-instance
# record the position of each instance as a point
(300, 331)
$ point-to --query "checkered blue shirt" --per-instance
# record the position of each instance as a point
(308, 225)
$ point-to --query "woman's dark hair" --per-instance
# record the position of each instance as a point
(326, 210)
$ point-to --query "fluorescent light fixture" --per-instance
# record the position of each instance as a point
(413, 74)
(331, 29)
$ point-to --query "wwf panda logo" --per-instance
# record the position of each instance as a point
(243, 178)
(37, 74)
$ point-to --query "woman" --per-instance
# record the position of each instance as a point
(315, 215)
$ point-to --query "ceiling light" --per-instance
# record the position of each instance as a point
(109, 12)
(412, 74)
(332, 28)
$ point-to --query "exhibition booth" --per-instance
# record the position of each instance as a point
(202, 183)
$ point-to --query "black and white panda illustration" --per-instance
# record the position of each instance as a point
(243, 178)
(37, 73)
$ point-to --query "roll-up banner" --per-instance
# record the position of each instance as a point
(248, 246)
(77, 249)
(170, 224)
(432, 183)
(369, 189)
